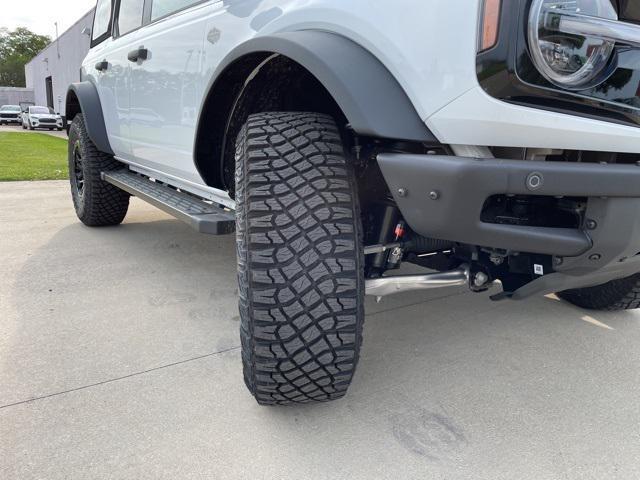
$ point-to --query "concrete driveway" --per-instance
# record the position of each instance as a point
(119, 359)
(18, 128)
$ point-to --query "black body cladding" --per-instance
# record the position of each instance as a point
(367, 95)
(82, 97)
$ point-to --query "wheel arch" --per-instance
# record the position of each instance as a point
(366, 94)
(82, 97)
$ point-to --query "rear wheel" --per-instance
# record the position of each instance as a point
(300, 260)
(97, 203)
(622, 294)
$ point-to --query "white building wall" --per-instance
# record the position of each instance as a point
(61, 61)
(13, 96)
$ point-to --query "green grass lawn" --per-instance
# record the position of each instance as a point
(32, 156)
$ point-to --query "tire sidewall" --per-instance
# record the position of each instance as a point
(76, 140)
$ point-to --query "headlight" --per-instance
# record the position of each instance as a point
(569, 60)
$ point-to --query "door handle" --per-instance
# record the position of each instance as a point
(139, 54)
(102, 66)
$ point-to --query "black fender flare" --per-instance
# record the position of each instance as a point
(82, 97)
(371, 98)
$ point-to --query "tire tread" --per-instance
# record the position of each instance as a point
(299, 259)
(622, 294)
(103, 204)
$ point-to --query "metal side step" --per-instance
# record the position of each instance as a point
(202, 216)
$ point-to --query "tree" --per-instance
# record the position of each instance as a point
(17, 48)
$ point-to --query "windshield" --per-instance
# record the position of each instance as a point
(40, 110)
(10, 108)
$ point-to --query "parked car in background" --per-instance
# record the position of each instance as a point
(41, 117)
(10, 114)
(24, 106)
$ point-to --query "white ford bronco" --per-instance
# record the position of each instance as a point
(492, 142)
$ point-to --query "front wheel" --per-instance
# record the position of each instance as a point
(97, 203)
(622, 294)
(300, 259)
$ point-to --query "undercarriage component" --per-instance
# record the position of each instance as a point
(375, 249)
(389, 216)
(415, 244)
(382, 287)
(420, 244)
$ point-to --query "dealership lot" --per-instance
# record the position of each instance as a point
(18, 128)
(119, 358)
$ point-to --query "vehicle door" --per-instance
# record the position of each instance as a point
(169, 85)
(107, 67)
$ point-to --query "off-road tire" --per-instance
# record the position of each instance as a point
(97, 203)
(300, 261)
(622, 294)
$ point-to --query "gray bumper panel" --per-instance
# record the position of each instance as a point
(442, 197)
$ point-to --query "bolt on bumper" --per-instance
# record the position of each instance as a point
(605, 248)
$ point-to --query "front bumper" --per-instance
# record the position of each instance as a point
(442, 197)
(40, 124)
(10, 120)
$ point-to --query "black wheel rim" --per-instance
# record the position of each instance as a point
(78, 173)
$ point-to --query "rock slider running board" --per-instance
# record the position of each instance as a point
(200, 215)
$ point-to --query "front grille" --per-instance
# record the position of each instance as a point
(47, 120)
(11, 116)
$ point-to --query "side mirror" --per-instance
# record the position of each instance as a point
(86, 31)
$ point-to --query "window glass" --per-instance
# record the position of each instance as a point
(160, 8)
(40, 110)
(130, 15)
(101, 19)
